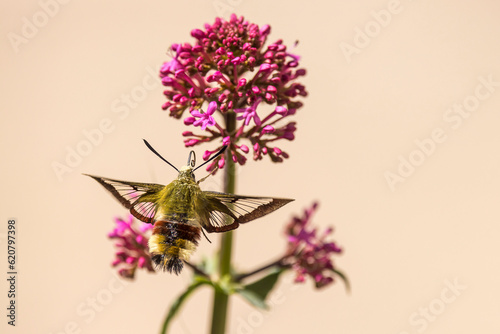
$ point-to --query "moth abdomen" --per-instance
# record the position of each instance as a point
(171, 243)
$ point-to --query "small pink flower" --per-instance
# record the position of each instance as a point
(249, 113)
(205, 119)
(132, 246)
(174, 64)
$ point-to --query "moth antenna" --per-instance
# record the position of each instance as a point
(192, 162)
(212, 158)
(158, 154)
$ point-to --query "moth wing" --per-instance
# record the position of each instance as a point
(224, 212)
(140, 198)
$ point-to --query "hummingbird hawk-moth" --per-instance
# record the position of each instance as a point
(180, 210)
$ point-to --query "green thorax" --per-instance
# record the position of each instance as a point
(176, 202)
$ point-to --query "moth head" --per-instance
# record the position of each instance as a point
(186, 173)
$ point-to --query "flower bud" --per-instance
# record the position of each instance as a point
(244, 148)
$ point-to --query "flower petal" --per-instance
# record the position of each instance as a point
(212, 107)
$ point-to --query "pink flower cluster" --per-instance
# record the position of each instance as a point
(312, 254)
(132, 246)
(230, 69)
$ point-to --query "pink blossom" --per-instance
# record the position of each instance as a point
(249, 113)
(205, 119)
(233, 64)
(311, 255)
(174, 64)
(132, 246)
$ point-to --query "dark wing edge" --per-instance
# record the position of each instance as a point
(139, 198)
(228, 211)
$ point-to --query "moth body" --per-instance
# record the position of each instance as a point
(176, 229)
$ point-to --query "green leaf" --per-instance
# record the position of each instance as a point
(253, 298)
(344, 278)
(199, 281)
(256, 292)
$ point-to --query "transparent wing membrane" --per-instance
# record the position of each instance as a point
(231, 210)
(139, 198)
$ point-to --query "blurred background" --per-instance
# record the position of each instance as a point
(398, 141)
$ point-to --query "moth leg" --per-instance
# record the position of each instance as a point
(205, 236)
(203, 179)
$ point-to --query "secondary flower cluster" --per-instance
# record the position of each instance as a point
(308, 253)
(311, 253)
(230, 72)
(132, 246)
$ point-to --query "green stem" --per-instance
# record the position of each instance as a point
(221, 299)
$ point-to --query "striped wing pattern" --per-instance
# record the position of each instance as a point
(139, 198)
(227, 211)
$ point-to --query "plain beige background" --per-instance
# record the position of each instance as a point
(437, 226)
